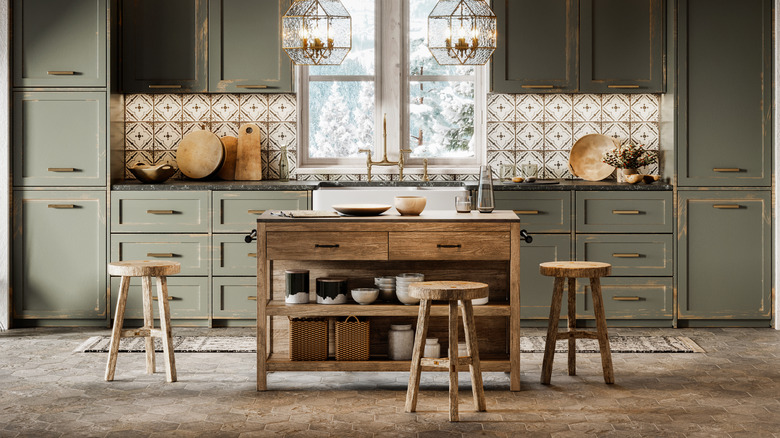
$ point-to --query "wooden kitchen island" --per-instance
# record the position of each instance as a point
(444, 245)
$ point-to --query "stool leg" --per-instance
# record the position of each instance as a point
(116, 332)
(473, 350)
(165, 327)
(148, 323)
(552, 330)
(601, 327)
(453, 360)
(417, 354)
(572, 325)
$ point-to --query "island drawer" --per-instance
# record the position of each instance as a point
(629, 298)
(449, 246)
(188, 297)
(237, 212)
(325, 245)
(539, 212)
(630, 255)
(624, 212)
(231, 255)
(171, 212)
(191, 251)
(234, 297)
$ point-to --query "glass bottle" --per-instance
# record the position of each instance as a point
(485, 201)
(284, 167)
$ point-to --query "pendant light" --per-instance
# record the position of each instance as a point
(462, 32)
(317, 32)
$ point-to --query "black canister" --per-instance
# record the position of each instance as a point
(297, 286)
(331, 290)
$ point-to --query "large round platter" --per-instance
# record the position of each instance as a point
(585, 158)
(361, 209)
(200, 154)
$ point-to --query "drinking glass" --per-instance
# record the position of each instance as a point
(463, 203)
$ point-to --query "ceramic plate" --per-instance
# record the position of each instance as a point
(361, 209)
(586, 155)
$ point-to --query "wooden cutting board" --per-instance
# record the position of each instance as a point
(249, 166)
(200, 154)
(228, 169)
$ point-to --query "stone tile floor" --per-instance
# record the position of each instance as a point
(733, 390)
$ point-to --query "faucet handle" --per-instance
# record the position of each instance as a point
(367, 151)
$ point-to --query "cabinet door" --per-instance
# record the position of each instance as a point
(59, 139)
(237, 212)
(234, 297)
(539, 212)
(725, 255)
(59, 255)
(542, 32)
(60, 43)
(724, 119)
(164, 46)
(622, 46)
(245, 47)
(535, 289)
(188, 298)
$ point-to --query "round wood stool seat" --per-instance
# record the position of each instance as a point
(448, 290)
(143, 268)
(575, 269)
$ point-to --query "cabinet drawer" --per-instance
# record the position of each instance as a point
(624, 212)
(231, 255)
(449, 246)
(237, 212)
(188, 298)
(633, 254)
(536, 289)
(539, 212)
(191, 251)
(327, 246)
(173, 212)
(234, 297)
(628, 298)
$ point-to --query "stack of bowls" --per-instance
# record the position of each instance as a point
(402, 282)
(386, 287)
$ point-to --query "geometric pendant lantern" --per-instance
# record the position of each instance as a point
(462, 32)
(317, 32)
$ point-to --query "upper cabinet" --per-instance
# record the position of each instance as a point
(724, 77)
(621, 46)
(586, 46)
(245, 47)
(59, 43)
(164, 46)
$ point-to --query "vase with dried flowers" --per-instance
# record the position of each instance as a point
(629, 158)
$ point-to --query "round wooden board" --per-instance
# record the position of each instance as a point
(585, 158)
(228, 169)
(200, 154)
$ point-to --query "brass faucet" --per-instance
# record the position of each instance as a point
(385, 161)
(425, 170)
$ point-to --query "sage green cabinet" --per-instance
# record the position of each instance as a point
(536, 289)
(191, 251)
(536, 49)
(155, 212)
(725, 97)
(231, 255)
(59, 138)
(164, 46)
(59, 255)
(539, 212)
(624, 212)
(629, 298)
(234, 298)
(59, 43)
(188, 298)
(725, 254)
(622, 46)
(245, 47)
(237, 212)
(629, 254)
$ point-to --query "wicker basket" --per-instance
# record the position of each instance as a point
(308, 339)
(352, 339)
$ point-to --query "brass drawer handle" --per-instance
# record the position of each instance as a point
(61, 73)
(626, 255)
(727, 169)
(255, 211)
(159, 211)
(623, 86)
(164, 86)
(626, 298)
(448, 246)
(62, 206)
(251, 298)
(253, 87)
(252, 254)
(625, 211)
(727, 206)
(159, 254)
(317, 245)
(538, 87)
(61, 169)
(169, 298)
(526, 211)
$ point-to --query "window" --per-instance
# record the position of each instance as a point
(390, 71)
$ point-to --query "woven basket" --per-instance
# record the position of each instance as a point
(308, 339)
(352, 339)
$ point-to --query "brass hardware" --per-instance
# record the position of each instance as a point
(625, 211)
(155, 298)
(317, 245)
(526, 211)
(61, 169)
(251, 298)
(159, 254)
(385, 161)
(252, 254)
(61, 73)
(541, 87)
(164, 86)
(425, 170)
(625, 255)
(626, 298)
(255, 211)
(623, 86)
(62, 206)
(252, 87)
(726, 169)
(447, 246)
(728, 206)
(159, 211)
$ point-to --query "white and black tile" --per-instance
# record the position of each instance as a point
(645, 134)
(530, 136)
(500, 136)
(557, 108)
(530, 108)
(196, 107)
(496, 158)
(581, 129)
(224, 108)
(188, 127)
(645, 108)
(281, 108)
(139, 136)
(556, 164)
(225, 129)
(167, 135)
(167, 108)
(587, 108)
(253, 108)
(139, 108)
(281, 134)
(138, 157)
(617, 130)
(615, 108)
(501, 108)
(557, 136)
(534, 157)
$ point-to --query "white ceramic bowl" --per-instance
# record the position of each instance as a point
(403, 296)
(365, 295)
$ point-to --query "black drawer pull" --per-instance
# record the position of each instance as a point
(626, 298)
(441, 245)
(317, 245)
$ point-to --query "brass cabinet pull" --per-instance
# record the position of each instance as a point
(255, 211)
(62, 206)
(730, 206)
(625, 211)
(252, 87)
(727, 169)
(441, 245)
(159, 211)
(61, 169)
(61, 73)
(317, 245)
(251, 298)
(252, 254)
(626, 255)
(541, 87)
(164, 86)
(626, 298)
(526, 211)
(159, 254)
(623, 86)
(169, 298)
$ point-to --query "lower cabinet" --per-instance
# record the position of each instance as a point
(629, 298)
(725, 255)
(536, 289)
(234, 297)
(59, 251)
(188, 298)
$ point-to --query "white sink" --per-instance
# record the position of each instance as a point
(437, 198)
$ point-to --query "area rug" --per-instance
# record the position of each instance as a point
(528, 344)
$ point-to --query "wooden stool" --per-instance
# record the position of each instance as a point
(146, 270)
(450, 291)
(572, 271)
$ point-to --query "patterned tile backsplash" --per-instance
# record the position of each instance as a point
(539, 128)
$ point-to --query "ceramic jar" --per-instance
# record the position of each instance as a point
(400, 342)
(432, 348)
(332, 290)
(297, 286)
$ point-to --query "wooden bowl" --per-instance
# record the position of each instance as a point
(152, 174)
(410, 205)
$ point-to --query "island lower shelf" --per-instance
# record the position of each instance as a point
(281, 362)
(280, 308)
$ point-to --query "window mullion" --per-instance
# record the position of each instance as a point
(392, 50)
